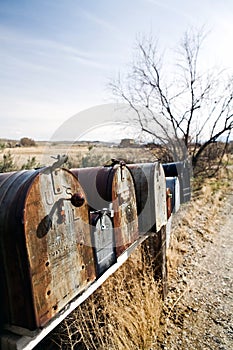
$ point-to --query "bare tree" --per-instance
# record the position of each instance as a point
(186, 108)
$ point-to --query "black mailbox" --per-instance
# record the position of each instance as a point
(182, 171)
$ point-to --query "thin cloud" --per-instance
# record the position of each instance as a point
(170, 8)
(97, 20)
(27, 48)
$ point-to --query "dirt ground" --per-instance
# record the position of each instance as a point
(198, 312)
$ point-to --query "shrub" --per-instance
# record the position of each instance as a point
(92, 159)
(2, 146)
(31, 164)
(7, 163)
(27, 142)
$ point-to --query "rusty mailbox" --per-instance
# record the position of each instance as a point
(150, 186)
(45, 245)
(111, 189)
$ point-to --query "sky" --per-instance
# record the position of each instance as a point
(57, 57)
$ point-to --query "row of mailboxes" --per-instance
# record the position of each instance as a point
(45, 245)
(134, 196)
(61, 229)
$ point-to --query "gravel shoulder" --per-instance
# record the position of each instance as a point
(198, 312)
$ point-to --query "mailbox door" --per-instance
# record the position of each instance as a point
(150, 186)
(103, 241)
(125, 208)
(177, 194)
(58, 243)
(160, 197)
(144, 195)
(174, 184)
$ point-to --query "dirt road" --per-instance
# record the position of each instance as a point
(199, 307)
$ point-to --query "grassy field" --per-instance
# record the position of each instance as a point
(79, 155)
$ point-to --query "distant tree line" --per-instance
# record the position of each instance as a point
(23, 142)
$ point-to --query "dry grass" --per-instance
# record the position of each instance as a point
(123, 314)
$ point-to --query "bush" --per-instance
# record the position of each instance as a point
(211, 161)
(27, 142)
(92, 160)
(7, 163)
(2, 146)
(230, 147)
(31, 164)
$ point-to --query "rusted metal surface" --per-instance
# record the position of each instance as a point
(182, 170)
(169, 202)
(46, 249)
(173, 184)
(150, 186)
(112, 188)
(125, 209)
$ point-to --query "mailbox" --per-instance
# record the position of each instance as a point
(46, 255)
(151, 195)
(112, 188)
(182, 171)
(173, 184)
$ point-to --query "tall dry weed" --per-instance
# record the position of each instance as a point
(123, 314)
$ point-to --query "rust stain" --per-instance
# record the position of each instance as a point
(125, 209)
(113, 187)
(58, 243)
(46, 255)
(169, 202)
